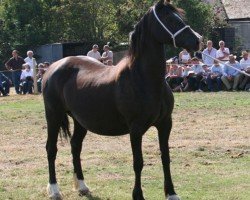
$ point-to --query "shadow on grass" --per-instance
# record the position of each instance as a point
(92, 197)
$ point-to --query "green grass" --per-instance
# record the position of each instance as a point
(210, 152)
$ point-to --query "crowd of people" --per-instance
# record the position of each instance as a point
(209, 70)
(23, 73)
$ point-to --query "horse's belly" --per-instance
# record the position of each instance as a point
(105, 125)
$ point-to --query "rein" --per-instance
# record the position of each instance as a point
(178, 32)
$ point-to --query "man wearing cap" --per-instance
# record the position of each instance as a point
(14, 64)
(107, 55)
(245, 65)
(230, 74)
(94, 53)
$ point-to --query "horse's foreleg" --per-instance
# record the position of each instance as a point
(76, 148)
(164, 129)
(136, 143)
(51, 147)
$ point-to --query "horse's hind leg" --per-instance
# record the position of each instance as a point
(53, 123)
(76, 148)
(164, 128)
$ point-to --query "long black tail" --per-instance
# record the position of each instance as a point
(65, 132)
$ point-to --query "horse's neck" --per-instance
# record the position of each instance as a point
(150, 65)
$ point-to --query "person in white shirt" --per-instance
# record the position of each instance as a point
(245, 65)
(211, 51)
(94, 53)
(184, 57)
(29, 60)
(26, 79)
(223, 52)
(107, 55)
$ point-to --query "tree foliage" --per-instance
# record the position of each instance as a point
(25, 24)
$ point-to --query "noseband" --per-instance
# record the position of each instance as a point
(178, 32)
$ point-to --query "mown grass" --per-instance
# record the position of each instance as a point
(210, 152)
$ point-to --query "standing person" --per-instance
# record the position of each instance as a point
(94, 53)
(184, 57)
(29, 60)
(14, 64)
(211, 51)
(223, 52)
(245, 65)
(107, 55)
(215, 76)
(41, 71)
(230, 74)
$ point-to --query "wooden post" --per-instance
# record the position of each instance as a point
(34, 76)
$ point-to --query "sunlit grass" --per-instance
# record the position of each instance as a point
(210, 152)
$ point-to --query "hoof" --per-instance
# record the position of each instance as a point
(84, 192)
(173, 197)
(80, 186)
(53, 192)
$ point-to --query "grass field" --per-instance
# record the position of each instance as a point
(210, 152)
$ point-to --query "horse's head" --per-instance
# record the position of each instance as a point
(168, 26)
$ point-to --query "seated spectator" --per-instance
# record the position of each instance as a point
(94, 53)
(26, 79)
(230, 74)
(5, 83)
(223, 52)
(107, 55)
(215, 76)
(184, 57)
(175, 73)
(245, 65)
(211, 51)
(46, 65)
(110, 63)
(196, 76)
(41, 71)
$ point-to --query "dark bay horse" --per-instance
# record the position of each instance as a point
(115, 100)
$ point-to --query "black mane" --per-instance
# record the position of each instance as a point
(137, 38)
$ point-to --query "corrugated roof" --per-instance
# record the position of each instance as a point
(237, 9)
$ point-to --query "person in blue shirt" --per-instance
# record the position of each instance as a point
(215, 76)
(4, 84)
(230, 74)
